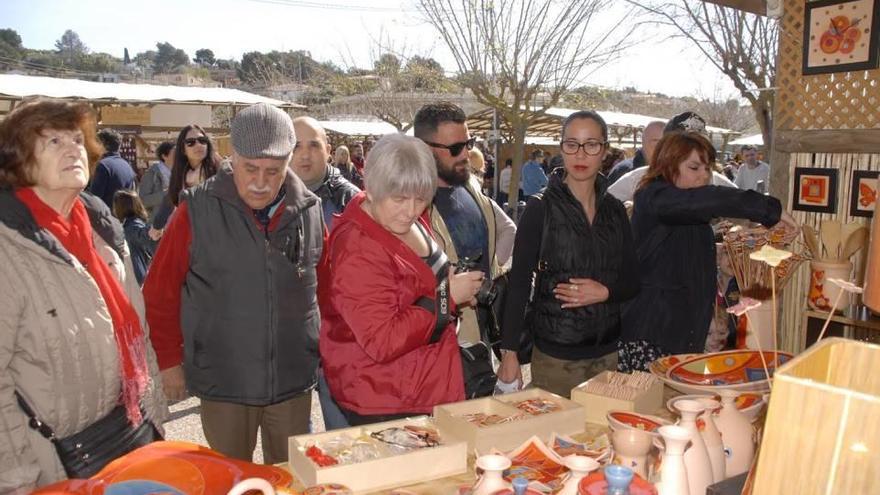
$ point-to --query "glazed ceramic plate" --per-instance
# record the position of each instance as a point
(739, 370)
(748, 403)
(595, 484)
(660, 366)
(629, 419)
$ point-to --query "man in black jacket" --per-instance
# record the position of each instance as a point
(311, 157)
(112, 173)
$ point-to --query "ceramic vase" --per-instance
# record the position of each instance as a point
(579, 466)
(673, 473)
(696, 458)
(737, 435)
(492, 479)
(631, 449)
(759, 332)
(252, 485)
(823, 293)
(712, 438)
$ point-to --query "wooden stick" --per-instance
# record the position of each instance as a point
(775, 345)
(831, 314)
(760, 351)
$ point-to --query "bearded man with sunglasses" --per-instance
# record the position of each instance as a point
(468, 225)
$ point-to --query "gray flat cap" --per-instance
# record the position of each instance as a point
(263, 131)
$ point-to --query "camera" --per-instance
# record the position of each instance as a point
(487, 291)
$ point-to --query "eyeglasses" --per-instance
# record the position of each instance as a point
(190, 142)
(590, 147)
(454, 148)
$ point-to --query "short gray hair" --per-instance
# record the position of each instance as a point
(400, 165)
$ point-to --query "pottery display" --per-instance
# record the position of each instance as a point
(579, 467)
(629, 419)
(712, 438)
(673, 473)
(492, 479)
(619, 478)
(748, 403)
(696, 457)
(741, 370)
(759, 334)
(596, 484)
(737, 435)
(631, 448)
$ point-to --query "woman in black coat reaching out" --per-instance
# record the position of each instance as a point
(676, 249)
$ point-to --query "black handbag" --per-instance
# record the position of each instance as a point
(490, 308)
(85, 453)
(476, 365)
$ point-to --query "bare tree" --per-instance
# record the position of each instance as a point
(741, 45)
(519, 56)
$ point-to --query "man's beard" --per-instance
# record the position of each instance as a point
(453, 177)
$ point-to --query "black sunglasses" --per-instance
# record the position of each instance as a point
(455, 148)
(190, 142)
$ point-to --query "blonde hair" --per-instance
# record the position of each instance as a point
(478, 163)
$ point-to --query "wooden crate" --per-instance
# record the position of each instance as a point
(822, 435)
(448, 459)
(596, 407)
(507, 436)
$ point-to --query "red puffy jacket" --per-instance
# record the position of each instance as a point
(374, 340)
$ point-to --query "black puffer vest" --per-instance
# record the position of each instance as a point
(249, 310)
(575, 249)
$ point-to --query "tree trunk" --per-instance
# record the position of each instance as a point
(519, 143)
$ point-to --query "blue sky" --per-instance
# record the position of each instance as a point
(344, 31)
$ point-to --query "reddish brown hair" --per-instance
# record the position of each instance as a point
(22, 127)
(673, 149)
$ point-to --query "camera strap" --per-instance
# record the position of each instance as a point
(440, 306)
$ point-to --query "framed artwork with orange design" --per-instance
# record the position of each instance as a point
(815, 189)
(841, 36)
(863, 193)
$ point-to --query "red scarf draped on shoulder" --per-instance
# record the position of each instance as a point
(75, 235)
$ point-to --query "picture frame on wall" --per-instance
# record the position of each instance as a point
(815, 189)
(841, 36)
(863, 193)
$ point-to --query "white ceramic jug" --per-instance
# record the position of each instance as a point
(673, 473)
(492, 479)
(696, 458)
(249, 484)
(737, 435)
(579, 466)
(712, 437)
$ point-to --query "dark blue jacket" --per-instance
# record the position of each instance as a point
(140, 245)
(112, 174)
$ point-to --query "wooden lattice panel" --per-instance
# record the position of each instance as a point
(843, 100)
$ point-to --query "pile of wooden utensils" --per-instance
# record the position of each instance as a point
(839, 241)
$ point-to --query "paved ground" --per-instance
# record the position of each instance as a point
(186, 425)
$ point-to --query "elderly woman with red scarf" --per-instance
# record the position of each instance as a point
(74, 353)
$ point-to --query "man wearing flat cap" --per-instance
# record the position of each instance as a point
(231, 293)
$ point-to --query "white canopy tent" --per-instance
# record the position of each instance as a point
(753, 140)
(15, 87)
(359, 127)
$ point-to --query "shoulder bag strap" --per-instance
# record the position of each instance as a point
(440, 305)
(35, 423)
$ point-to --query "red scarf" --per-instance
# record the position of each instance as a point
(75, 235)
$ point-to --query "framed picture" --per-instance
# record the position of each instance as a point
(863, 193)
(815, 189)
(841, 36)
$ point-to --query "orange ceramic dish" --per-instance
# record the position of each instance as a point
(170, 467)
(726, 368)
(595, 484)
(629, 419)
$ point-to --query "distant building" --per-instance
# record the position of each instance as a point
(184, 80)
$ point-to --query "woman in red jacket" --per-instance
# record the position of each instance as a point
(388, 297)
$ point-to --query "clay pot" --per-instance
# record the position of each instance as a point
(737, 435)
(823, 293)
(696, 458)
(492, 479)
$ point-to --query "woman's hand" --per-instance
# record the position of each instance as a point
(173, 383)
(509, 370)
(579, 292)
(787, 222)
(464, 286)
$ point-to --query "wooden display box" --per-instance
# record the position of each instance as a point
(447, 459)
(596, 406)
(507, 436)
(822, 435)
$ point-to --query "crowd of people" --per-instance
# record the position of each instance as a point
(359, 271)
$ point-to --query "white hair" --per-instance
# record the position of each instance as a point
(400, 165)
